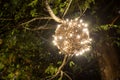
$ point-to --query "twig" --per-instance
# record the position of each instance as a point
(67, 76)
(60, 68)
(82, 13)
(57, 19)
(61, 75)
(5, 19)
(39, 28)
(114, 20)
(70, 1)
(36, 19)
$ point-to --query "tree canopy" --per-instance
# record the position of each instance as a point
(26, 49)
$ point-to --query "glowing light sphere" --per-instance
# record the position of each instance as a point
(72, 37)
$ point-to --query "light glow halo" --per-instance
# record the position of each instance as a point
(72, 37)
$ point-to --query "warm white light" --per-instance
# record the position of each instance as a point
(58, 26)
(81, 53)
(76, 19)
(85, 41)
(65, 48)
(54, 42)
(78, 36)
(67, 20)
(81, 20)
(66, 37)
(71, 35)
(59, 52)
(90, 39)
(85, 30)
(77, 54)
(70, 23)
(79, 25)
(60, 37)
(86, 25)
(55, 38)
(87, 49)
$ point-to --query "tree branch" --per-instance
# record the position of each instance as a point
(70, 1)
(57, 19)
(67, 76)
(81, 12)
(115, 19)
(36, 19)
(38, 28)
(5, 19)
(60, 68)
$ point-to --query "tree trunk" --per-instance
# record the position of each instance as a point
(108, 62)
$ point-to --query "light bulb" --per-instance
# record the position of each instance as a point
(70, 23)
(81, 20)
(58, 26)
(87, 49)
(67, 20)
(86, 25)
(55, 38)
(78, 36)
(85, 30)
(71, 35)
(60, 37)
(76, 19)
(60, 52)
(79, 25)
(54, 42)
(77, 54)
(85, 41)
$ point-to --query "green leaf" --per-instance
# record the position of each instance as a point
(60, 78)
(61, 10)
(57, 2)
(11, 75)
(55, 10)
(104, 27)
(71, 63)
(33, 3)
(1, 66)
(59, 62)
(33, 12)
(51, 70)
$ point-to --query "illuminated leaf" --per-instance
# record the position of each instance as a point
(71, 63)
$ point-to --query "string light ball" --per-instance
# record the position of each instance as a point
(72, 37)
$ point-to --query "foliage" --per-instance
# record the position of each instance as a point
(51, 70)
(22, 55)
(29, 55)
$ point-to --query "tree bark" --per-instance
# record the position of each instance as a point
(108, 62)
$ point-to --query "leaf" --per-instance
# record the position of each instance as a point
(57, 1)
(11, 75)
(1, 66)
(33, 12)
(71, 63)
(51, 70)
(104, 27)
(60, 78)
(55, 10)
(33, 3)
(61, 10)
(59, 62)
